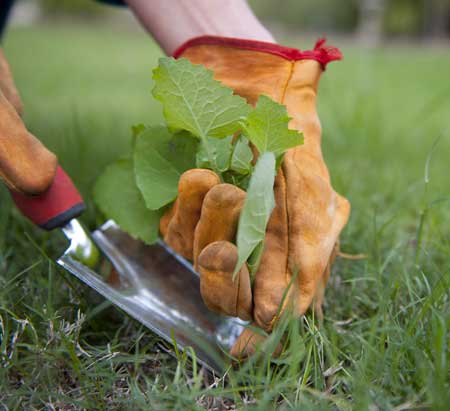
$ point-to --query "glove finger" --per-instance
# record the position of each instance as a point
(220, 293)
(7, 85)
(167, 218)
(219, 218)
(25, 164)
(248, 343)
(192, 188)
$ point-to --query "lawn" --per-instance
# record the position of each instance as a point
(384, 344)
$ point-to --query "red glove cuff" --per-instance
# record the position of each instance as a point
(321, 53)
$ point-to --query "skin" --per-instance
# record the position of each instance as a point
(231, 18)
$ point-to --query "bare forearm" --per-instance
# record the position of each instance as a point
(172, 22)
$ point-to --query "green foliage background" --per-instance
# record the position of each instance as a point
(401, 17)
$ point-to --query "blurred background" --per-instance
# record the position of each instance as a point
(369, 21)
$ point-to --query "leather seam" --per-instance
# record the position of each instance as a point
(291, 73)
(288, 80)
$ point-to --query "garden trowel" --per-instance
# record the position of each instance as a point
(157, 287)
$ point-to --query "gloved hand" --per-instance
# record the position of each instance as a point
(303, 230)
(25, 164)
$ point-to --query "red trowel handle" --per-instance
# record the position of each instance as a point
(53, 208)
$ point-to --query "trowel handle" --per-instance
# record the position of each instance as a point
(55, 207)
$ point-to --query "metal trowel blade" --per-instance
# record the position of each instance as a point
(158, 288)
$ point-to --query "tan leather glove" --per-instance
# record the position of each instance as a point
(25, 164)
(303, 230)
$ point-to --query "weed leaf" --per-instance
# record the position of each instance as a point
(118, 197)
(258, 206)
(267, 127)
(159, 159)
(193, 101)
(220, 151)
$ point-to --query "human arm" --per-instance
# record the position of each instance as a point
(173, 22)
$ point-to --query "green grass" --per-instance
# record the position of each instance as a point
(384, 341)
